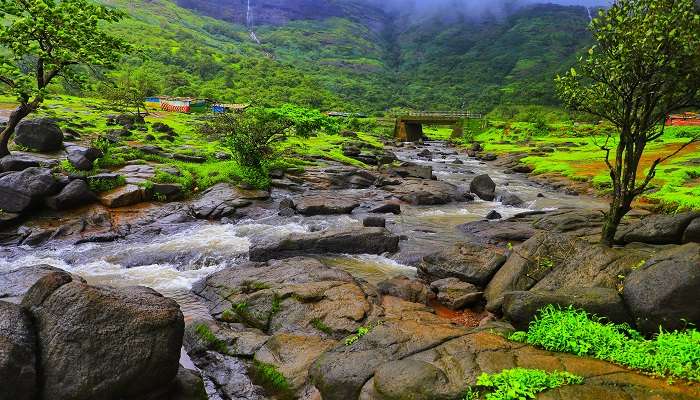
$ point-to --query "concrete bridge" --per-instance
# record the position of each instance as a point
(409, 127)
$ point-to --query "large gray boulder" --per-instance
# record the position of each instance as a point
(658, 229)
(467, 262)
(15, 283)
(20, 190)
(484, 187)
(222, 200)
(74, 194)
(520, 308)
(402, 287)
(666, 290)
(103, 343)
(17, 354)
(423, 192)
(692, 232)
(411, 170)
(19, 162)
(41, 134)
(335, 241)
(325, 204)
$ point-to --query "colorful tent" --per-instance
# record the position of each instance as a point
(183, 105)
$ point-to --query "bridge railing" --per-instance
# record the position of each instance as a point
(444, 114)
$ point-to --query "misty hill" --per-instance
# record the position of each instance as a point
(349, 54)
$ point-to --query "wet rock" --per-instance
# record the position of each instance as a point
(350, 150)
(15, 283)
(455, 294)
(190, 158)
(447, 370)
(20, 190)
(476, 147)
(137, 174)
(664, 292)
(374, 222)
(188, 385)
(553, 261)
(510, 199)
(167, 191)
(336, 241)
(125, 196)
(229, 376)
(388, 208)
(78, 160)
(126, 120)
(493, 214)
(404, 288)
(83, 331)
(17, 162)
(487, 157)
(17, 354)
(411, 170)
(520, 308)
(692, 232)
(484, 187)
(425, 153)
(467, 262)
(297, 295)
(408, 328)
(74, 194)
(222, 200)
(426, 192)
(325, 204)
(658, 229)
(292, 355)
(42, 135)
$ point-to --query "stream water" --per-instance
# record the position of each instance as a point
(172, 262)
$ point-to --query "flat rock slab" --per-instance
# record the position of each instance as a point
(222, 200)
(124, 196)
(422, 192)
(446, 371)
(334, 241)
(658, 229)
(14, 284)
(136, 174)
(467, 262)
(325, 204)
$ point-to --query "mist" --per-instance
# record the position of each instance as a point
(472, 8)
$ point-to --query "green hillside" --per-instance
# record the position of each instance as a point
(346, 64)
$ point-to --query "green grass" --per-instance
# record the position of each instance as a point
(210, 339)
(321, 327)
(269, 377)
(669, 354)
(519, 384)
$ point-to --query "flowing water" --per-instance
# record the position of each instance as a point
(172, 262)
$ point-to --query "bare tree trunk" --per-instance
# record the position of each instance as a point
(15, 118)
(618, 209)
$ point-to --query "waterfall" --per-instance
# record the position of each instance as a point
(590, 17)
(250, 23)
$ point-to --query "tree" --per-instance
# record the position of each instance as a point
(128, 90)
(644, 66)
(41, 40)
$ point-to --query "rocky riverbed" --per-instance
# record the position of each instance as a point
(438, 256)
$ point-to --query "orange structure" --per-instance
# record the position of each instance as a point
(685, 119)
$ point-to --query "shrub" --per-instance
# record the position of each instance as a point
(269, 376)
(105, 185)
(210, 339)
(674, 354)
(520, 383)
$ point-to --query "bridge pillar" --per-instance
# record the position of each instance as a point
(408, 131)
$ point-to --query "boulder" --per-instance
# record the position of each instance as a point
(411, 170)
(658, 229)
(387, 208)
(17, 354)
(125, 196)
(127, 120)
(222, 200)
(510, 199)
(338, 241)
(42, 135)
(520, 308)
(302, 296)
(404, 288)
(20, 190)
(19, 162)
(484, 187)
(15, 283)
(101, 342)
(553, 261)
(455, 294)
(421, 192)
(374, 222)
(74, 194)
(467, 262)
(493, 214)
(325, 204)
(188, 385)
(692, 232)
(167, 191)
(666, 290)
(78, 160)
(487, 157)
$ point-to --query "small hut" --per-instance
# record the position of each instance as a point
(226, 108)
(685, 119)
(184, 104)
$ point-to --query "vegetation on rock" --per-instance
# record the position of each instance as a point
(519, 384)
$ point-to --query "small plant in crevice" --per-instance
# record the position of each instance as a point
(361, 331)
(105, 185)
(321, 326)
(519, 384)
(669, 354)
(269, 377)
(206, 335)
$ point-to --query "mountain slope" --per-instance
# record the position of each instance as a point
(344, 54)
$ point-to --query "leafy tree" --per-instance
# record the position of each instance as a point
(304, 120)
(644, 66)
(128, 90)
(249, 136)
(44, 39)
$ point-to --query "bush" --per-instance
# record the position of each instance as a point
(520, 383)
(675, 354)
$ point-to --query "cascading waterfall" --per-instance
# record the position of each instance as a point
(250, 23)
(590, 16)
